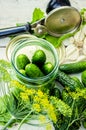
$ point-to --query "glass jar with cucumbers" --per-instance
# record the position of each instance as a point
(34, 60)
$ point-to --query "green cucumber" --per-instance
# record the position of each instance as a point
(66, 97)
(47, 68)
(67, 81)
(39, 58)
(21, 61)
(76, 67)
(55, 92)
(78, 81)
(33, 71)
(22, 72)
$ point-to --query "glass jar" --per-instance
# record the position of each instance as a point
(28, 46)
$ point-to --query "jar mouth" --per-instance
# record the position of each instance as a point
(37, 42)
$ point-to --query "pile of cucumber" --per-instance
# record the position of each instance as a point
(73, 68)
(35, 67)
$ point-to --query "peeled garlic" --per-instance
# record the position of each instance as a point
(78, 38)
(81, 58)
(72, 53)
(84, 47)
(68, 41)
(61, 53)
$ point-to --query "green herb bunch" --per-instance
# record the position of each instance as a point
(77, 101)
(22, 104)
(25, 104)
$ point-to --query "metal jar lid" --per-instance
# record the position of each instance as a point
(64, 20)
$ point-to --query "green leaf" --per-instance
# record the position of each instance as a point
(4, 75)
(2, 106)
(5, 117)
(11, 103)
(37, 15)
(5, 64)
(53, 40)
(83, 15)
(5, 70)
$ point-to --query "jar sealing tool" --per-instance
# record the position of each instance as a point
(58, 22)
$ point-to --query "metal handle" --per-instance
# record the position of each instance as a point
(15, 30)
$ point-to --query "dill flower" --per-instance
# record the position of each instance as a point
(15, 83)
(30, 102)
(40, 93)
(30, 92)
(36, 107)
(39, 103)
(78, 93)
(24, 96)
(51, 113)
(44, 102)
(36, 99)
(61, 106)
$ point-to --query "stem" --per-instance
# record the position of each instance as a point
(8, 123)
(73, 122)
(70, 117)
(24, 119)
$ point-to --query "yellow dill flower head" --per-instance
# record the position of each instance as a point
(30, 91)
(38, 102)
(40, 93)
(75, 95)
(51, 113)
(53, 116)
(15, 83)
(79, 93)
(24, 96)
(36, 107)
(44, 102)
(36, 99)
